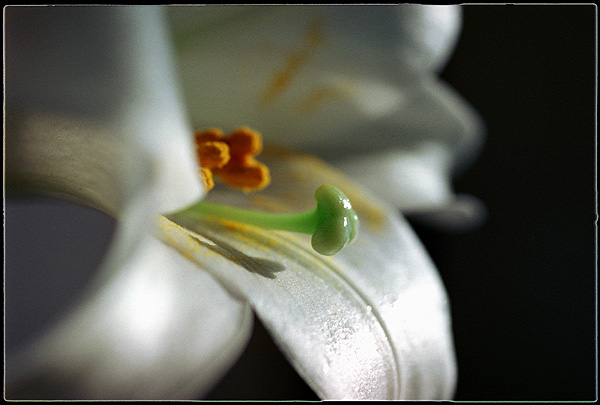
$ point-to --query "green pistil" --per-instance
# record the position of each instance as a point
(333, 224)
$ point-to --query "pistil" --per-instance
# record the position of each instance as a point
(333, 224)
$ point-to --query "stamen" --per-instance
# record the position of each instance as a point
(213, 154)
(254, 176)
(231, 157)
(208, 135)
(333, 223)
(207, 178)
(244, 142)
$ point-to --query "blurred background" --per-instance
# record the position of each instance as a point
(522, 287)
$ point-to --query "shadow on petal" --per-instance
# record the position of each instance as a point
(257, 265)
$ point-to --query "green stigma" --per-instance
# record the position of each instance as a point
(336, 221)
(333, 224)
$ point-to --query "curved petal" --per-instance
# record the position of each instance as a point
(92, 116)
(442, 135)
(101, 77)
(158, 328)
(355, 85)
(369, 323)
(428, 35)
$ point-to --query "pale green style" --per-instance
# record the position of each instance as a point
(333, 224)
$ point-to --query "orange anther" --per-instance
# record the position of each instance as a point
(213, 154)
(208, 135)
(247, 178)
(244, 142)
(231, 157)
(207, 178)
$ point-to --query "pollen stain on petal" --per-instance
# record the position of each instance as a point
(321, 95)
(269, 204)
(231, 158)
(282, 79)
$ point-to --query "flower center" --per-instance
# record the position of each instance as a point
(333, 224)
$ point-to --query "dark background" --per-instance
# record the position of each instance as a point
(522, 286)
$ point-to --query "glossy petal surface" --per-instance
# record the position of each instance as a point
(371, 322)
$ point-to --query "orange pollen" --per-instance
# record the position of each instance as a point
(207, 178)
(208, 135)
(244, 142)
(231, 157)
(213, 154)
(251, 177)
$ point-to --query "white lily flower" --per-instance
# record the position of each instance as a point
(358, 86)
(93, 115)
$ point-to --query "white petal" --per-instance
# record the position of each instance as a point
(355, 85)
(152, 327)
(103, 77)
(441, 136)
(369, 323)
(463, 213)
(92, 116)
(428, 34)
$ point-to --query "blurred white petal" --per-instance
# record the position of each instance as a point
(463, 213)
(371, 322)
(100, 78)
(93, 116)
(356, 85)
(152, 327)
